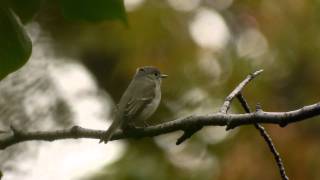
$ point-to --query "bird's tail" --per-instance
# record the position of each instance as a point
(112, 129)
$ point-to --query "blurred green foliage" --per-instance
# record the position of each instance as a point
(15, 45)
(25, 10)
(94, 10)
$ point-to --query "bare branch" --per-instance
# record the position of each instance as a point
(217, 119)
(267, 139)
(224, 108)
(227, 102)
(188, 133)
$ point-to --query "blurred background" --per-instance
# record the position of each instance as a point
(78, 71)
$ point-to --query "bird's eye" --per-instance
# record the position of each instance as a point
(141, 70)
(156, 74)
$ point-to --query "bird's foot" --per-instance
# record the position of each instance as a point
(105, 137)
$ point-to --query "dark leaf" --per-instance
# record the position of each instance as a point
(25, 9)
(15, 45)
(94, 10)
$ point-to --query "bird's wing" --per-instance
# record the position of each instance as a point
(141, 95)
(135, 99)
(135, 106)
(132, 109)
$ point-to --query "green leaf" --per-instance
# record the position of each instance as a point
(93, 10)
(15, 45)
(25, 9)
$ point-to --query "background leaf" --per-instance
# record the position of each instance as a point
(15, 45)
(25, 9)
(94, 10)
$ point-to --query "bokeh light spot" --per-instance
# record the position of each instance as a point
(209, 30)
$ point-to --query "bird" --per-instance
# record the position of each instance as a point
(139, 101)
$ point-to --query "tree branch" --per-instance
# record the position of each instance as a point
(227, 102)
(224, 108)
(189, 125)
(216, 119)
(266, 138)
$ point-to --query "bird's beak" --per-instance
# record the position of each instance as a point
(163, 76)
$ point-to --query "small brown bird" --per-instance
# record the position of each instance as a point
(139, 101)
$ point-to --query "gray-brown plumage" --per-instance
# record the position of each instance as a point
(139, 101)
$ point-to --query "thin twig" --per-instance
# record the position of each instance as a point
(227, 102)
(266, 138)
(188, 132)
